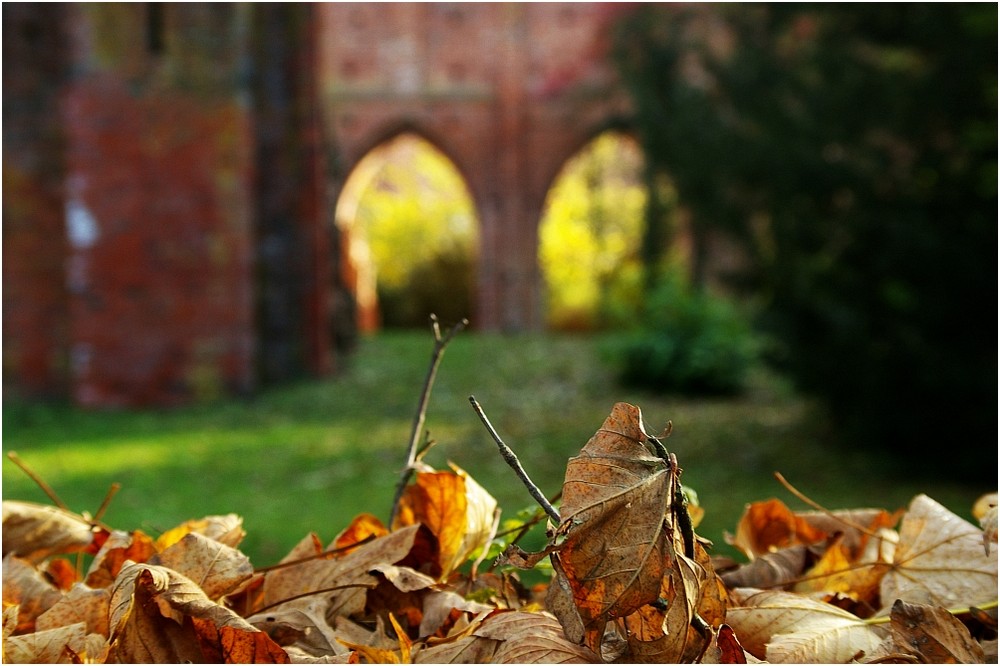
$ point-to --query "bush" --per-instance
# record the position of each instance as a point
(440, 285)
(690, 342)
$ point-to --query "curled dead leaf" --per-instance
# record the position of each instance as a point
(616, 541)
(36, 531)
(456, 509)
(149, 605)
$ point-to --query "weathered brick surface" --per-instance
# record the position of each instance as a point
(171, 170)
(35, 304)
(160, 261)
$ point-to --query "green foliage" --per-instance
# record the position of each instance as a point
(590, 234)
(690, 342)
(851, 151)
(419, 222)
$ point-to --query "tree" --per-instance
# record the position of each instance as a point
(851, 151)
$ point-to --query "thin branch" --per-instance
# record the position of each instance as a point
(112, 491)
(14, 458)
(819, 507)
(508, 456)
(440, 343)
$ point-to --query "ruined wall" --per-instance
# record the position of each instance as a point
(170, 173)
(508, 91)
(158, 183)
(35, 303)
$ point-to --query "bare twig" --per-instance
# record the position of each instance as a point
(14, 458)
(515, 464)
(112, 491)
(822, 509)
(440, 342)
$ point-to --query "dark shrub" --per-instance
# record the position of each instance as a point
(690, 342)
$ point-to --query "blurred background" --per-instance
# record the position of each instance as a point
(226, 225)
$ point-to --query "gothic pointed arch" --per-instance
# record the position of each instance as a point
(409, 232)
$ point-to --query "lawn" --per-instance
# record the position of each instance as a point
(308, 457)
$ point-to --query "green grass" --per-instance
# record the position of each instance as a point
(310, 456)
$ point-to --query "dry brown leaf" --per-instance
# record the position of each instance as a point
(25, 587)
(227, 529)
(216, 568)
(118, 548)
(439, 605)
(782, 627)
(770, 569)
(836, 573)
(154, 616)
(80, 604)
(36, 531)
(939, 560)
(53, 646)
(350, 572)
(616, 541)
(933, 635)
(511, 637)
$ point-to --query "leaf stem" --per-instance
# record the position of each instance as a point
(819, 507)
(14, 458)
(440, 342)
(511, 459)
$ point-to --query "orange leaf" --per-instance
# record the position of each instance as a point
(118, 548)
(770, 526)
(364, 526)
(227, 529)
(437, 501)
(835, 572)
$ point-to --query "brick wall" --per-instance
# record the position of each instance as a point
(35, 303)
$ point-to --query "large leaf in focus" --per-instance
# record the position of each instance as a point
(939, 560)
(617, 544)
(36, 531)
(783, 627)
(159, 616)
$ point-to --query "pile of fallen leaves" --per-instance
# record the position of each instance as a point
(631, 581)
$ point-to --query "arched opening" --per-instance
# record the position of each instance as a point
(409, 236)
(590, 236)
